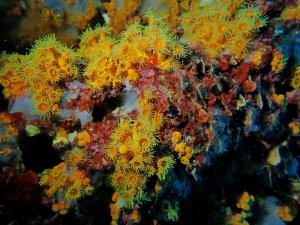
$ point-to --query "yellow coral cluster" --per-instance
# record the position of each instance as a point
(39, 74)
(8, 133)
(294, 128)
(101, 70)
(184, 151)
(42, 20)
(295, 82)
(135, 216)
(78, 156)
(5, 118)
(131, 150)
(278, 62)
(83, 20)
(244, 202)
(278, 99)
(69, 184)
(130, 185)
(256, 57)
(146, 106)
(284, 212)
(3, 138)
(120, 57)
(61, 137)
(10, 77)
(222, 26)
(134, 137)
(291, 12)
(114, 208)
(144, 101)
(238, 219)
(5, 151)
(173, 13)
(175, 9)
(120, 16)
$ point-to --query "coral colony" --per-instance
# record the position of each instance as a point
(150, 112)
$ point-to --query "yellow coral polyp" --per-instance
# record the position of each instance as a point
(137, 163)
(30, 73)
(83, 138)
(243, 26)
(135, 216)
(61, 136)
(239, 219)
(164, 164)
(12, 130)
(114, 209)
(117, 179)
(55, 95)
(295, 82)
(73, 193)
(123, 149)
(188, 150)
(51, 191)
(76, 157)
(55, 75)
(294, 128)
(132, 75)
(3, 138)
(144, 142)
(5, 118)
(278, 62)
(147, 109)
(223, 27)
(43, 108)
(61, 207)
(159, 44)
(119, 18)
(256, 58)
(176, 137)
(278, 99)
(180, 147)
(238, 45)
(5, 151)
(184, 151)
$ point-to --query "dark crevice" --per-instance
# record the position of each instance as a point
(109, 105)
(3, 101)
(38, 153)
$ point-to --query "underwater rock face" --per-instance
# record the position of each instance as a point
(24, 104)
(150, 112)
(270, 214)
